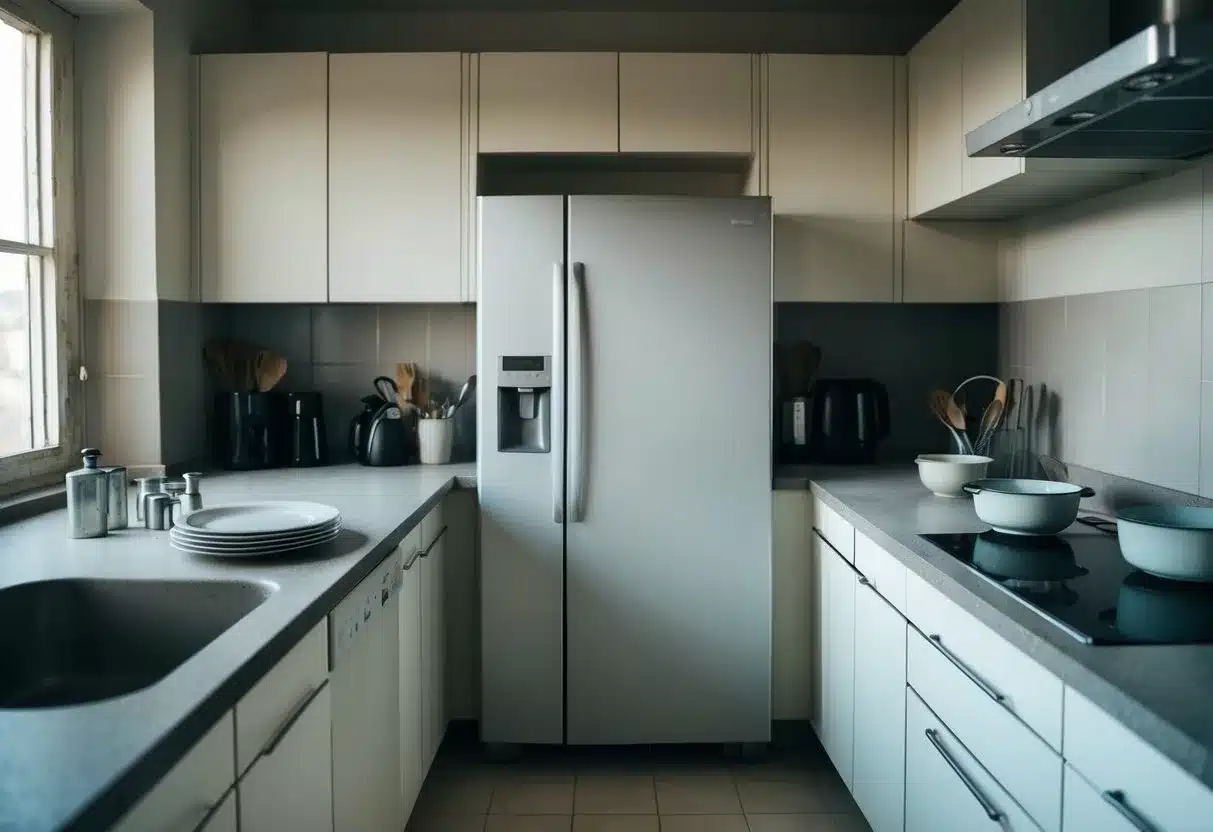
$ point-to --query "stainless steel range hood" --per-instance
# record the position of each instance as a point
(1148, 97)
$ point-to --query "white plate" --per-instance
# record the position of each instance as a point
(255, 551)
(229, 543)
(240, 519)
(186, 533)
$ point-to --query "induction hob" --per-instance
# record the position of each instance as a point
(1081, 583)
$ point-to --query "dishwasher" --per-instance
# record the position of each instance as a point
(364, 650)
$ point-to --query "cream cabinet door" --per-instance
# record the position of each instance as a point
(832, 139)
(835, 601)
(412, 772)
(192, 789)
(291, 784)
(950, 262)
(433, 636)
(395, 178)
(685, 103)
(263, 174)
(791, 603)
(549, 102)
(224, 818)
(936, 125)
(993, 78)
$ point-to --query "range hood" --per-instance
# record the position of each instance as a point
(1148, 97)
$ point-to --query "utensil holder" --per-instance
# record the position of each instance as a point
(437, 436)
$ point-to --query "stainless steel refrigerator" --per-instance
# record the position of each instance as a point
(624, 440)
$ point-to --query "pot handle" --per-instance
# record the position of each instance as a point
(971, 488)
(1087, 491)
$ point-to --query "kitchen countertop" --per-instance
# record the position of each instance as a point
(1164, 693)
(82, 767)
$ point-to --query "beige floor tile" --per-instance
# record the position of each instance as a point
(780, 797)
(446, 823)
(697, 795)
(807, 823)
(703, 823)
(455, 793)
(523, 796)
(529, 823)
(610, 795)
(615, 823)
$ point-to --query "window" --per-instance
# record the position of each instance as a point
(40, 429)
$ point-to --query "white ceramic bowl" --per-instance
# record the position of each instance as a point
(946, 474)
(1173, 542)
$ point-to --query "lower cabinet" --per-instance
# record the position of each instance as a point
(947, 790)
(290, 785)
(834, 601)
(194, 790)
(225, 818)
(412, 769)
(433, 635)
(1086, 808)
(880, 710)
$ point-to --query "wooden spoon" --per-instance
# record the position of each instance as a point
(270, 370)
(945, 409)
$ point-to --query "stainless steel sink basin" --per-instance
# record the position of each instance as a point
(66, 642)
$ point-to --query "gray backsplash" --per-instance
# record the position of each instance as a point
(1128, 379)
(337, 349)
(911, 348)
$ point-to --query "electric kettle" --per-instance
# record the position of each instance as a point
(849, 417)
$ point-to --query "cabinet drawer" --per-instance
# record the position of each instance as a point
(270, 703)
(1029, 691)
(838, 532)
(947, 790)
(432, 525)
(1114, 759)
(1025, 766)
(882, 570)
(1085, 808)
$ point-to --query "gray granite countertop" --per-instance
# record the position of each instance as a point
(1163, 693)
(82, 767)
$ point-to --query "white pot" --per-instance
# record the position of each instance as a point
(946, 474)
(1030, 507)
(1173, 542)
(436, 437)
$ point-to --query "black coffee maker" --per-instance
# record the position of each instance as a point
(848, 418)
(250, 430)
(308, 438)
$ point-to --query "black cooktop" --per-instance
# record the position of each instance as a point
(1081, 583)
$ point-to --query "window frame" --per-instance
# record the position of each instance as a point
(45, 465)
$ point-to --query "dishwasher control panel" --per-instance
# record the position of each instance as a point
(371, 604)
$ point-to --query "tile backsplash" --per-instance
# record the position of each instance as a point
(1127, 378)
(337, 349)
(911, 348)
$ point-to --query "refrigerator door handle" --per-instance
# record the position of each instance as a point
(576, 394)
(559, 288)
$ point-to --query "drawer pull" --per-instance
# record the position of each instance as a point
(412, 559)
(986, 806)
(937, 640)
(289, 722)
(1118, 802)
(433, 542)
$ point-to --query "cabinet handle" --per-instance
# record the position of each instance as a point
(865, 582)
(433, 542)
(967, 671)
(285, 727)
(989, 808)
(1118, 802)
(412, 559)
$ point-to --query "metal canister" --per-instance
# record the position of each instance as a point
(147, 487)
(87, 498)
(158, 512)
(191, 498)
(118, 496)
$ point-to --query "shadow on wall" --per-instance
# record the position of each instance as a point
(911, 348)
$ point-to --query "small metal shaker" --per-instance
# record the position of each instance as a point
(118, 497)
(88, 496)
(191, 498)
(158, 512)
(147, 487)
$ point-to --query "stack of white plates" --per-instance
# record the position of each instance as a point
(245, 530)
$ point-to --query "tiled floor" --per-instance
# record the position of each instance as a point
(634, 790)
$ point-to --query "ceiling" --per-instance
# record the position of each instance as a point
(936, 8)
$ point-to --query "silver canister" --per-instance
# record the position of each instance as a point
(87, 498)
(191, 498)
(158, 512)
(147, 487)
(119, 496)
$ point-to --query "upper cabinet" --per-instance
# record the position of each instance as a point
(549, 102)
(396, 163)
(985, 57)
(262, 169)
(685, 103)
(832, 142)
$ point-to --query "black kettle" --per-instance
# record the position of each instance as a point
(360, 427)
(849, 417)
